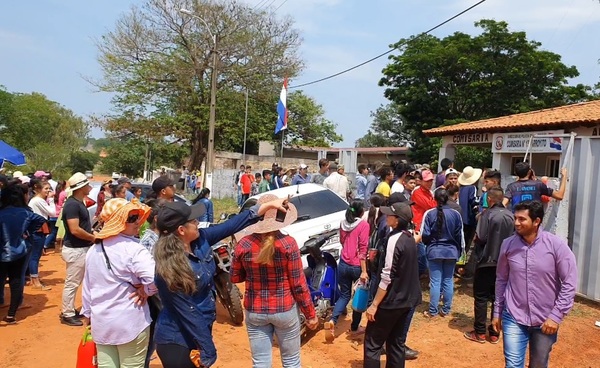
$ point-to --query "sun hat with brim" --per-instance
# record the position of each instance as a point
(469, 176)
(174, 214)
(77, 181)
(269, 221)
(401, 210)
(115, 213)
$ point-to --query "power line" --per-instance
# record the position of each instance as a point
(280, 5)
(259, 4)
(391, 50)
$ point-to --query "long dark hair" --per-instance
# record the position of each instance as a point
(377, 200)
(441, 197)
(355, 211)
(203, 194)
(62, 185)
(14, 194)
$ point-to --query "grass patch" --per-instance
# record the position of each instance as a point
(225, 205)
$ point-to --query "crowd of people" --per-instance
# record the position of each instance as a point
(152, 262)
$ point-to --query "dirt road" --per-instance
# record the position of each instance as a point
(39, 340)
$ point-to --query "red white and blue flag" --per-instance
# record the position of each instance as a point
(556, 143)
(282, 112)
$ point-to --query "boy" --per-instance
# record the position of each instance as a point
(263, 185)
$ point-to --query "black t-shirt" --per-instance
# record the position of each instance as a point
(526, 190)
(74, 209)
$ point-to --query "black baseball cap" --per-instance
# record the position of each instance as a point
(401, 210)
(397, 197)
(161, 183)
(174, 214)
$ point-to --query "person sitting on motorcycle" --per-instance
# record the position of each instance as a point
(270, 264)
(184, 278)
(398, 294)
(354, 236)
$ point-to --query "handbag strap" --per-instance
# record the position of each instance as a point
(108, 265)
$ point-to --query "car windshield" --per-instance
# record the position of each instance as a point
(312, 205)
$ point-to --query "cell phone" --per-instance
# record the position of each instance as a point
(280, 217)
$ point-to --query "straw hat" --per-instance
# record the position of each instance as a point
(469, 176)
(115, 213)
(77, 181)
(269, 222)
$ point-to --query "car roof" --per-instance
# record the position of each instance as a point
(294, 190)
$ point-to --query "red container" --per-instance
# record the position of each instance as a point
(87, 356)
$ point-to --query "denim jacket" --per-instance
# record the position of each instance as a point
(186, 320)
(16, 225)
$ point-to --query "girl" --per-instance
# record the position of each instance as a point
(39, 206)
(204, 198)
(354, 236)
(442, 233)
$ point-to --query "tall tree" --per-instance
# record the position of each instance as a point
(388, 129)
(307, 125)
(158, 62)
(462, 77)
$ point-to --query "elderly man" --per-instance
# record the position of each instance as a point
(337, 182)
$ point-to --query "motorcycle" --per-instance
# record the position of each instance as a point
(229, 294)
(321, 277)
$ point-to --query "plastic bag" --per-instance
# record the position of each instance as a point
(87, 355)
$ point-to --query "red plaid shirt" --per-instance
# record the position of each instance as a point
(272, 288)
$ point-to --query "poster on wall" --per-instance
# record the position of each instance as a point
(518, 142)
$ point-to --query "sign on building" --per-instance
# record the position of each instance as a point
(518, 142)
(472, 138)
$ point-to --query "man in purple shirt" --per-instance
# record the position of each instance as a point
(535, 288)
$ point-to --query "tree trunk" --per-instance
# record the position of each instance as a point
(198, 151)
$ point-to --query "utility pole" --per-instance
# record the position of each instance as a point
(245, 127)
(210, 157)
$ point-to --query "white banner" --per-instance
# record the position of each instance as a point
(518, 142)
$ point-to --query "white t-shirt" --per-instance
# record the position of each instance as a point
(337, 183)
(397, 188)
(41, 207)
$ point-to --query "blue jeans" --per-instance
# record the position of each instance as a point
(516, 338)
(37, 242)
(286, 326)
(239, 197)
(422, 254)
(53, 232)
(346, 276)
(441, 281)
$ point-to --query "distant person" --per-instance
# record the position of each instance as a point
(440, 178)
(387, 177)
(255, 184)
(401, 172)
(204, 197)
(126, 182)
(78, 240)
(361, 183)
(528, 188)
(246, 181)
(491, 179)
(302, 176)
(238, 185)
(536, 279)
(104, 195)
(495, 225)
(39, 205)
(321, 175)
(451, 177)
(120, 191)
(336, 182)
(467, 199)
(264, 185)
(164, 188)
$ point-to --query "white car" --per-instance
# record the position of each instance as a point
(319, 210)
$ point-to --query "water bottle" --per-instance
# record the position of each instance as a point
(361, 297)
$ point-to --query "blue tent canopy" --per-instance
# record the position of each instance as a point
(10, 154)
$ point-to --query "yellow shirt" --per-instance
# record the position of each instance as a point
(384, 189)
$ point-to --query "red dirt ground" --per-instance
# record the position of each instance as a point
(40, 340)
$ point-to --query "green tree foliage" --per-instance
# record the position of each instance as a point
(46, 132)
(306, 124)
(81, 161)
(158, 62)
(388, 129)
(498, 72)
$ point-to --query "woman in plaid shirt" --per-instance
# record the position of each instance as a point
(270, 264)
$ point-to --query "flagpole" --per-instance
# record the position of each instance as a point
(282, 135)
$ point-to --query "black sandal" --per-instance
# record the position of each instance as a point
(10, 320)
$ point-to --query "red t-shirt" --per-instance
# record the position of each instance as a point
(246, 181)
(424, 201)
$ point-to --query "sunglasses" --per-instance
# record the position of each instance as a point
(133, 219)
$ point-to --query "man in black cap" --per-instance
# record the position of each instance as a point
(164, 188)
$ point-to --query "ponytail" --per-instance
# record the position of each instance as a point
(267, 249)
(441, 197)
(355, 211)
(377, 200)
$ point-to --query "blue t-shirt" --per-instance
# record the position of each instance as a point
(526, 190)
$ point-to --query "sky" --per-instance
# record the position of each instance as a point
(48, 46)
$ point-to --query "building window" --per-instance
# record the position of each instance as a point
(514, 160)
(552, 166)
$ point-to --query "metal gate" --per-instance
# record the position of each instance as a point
(584, 214)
